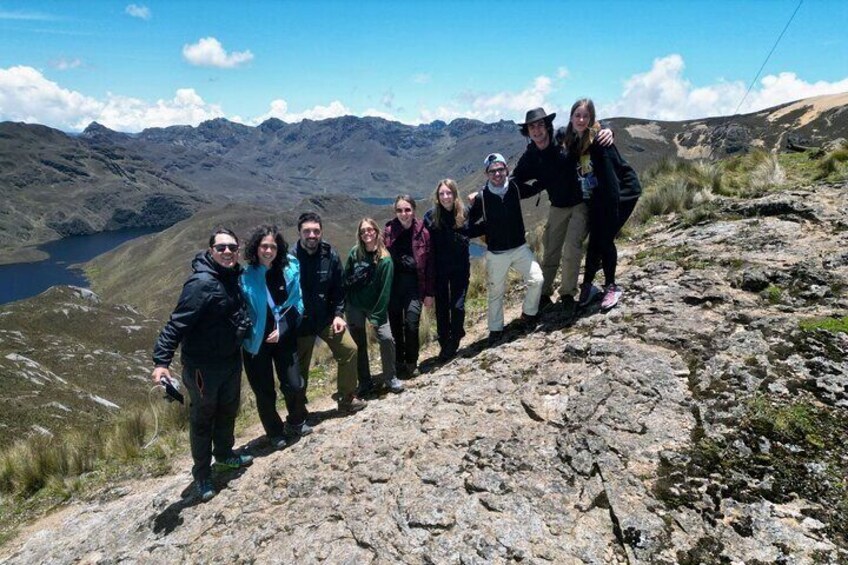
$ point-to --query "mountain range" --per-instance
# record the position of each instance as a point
(55, 184)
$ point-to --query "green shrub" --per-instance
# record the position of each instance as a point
(833, 325)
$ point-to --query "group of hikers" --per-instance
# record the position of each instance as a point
(266, 316)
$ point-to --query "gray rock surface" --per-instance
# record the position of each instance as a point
(573, 444)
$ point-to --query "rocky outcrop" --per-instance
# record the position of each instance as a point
(678, 428)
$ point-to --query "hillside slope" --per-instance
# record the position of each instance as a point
(701, 421)
(54, 185)
(69, 361)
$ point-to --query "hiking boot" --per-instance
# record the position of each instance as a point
(611, 295)
(588, 293)
(545, 303)
(494, 339)
(394, 385)
(412, 370)
(298, 431)
(351, 404)
(568, 306)
(235, 462)
(401, 371)
(277, 442)
(528, 322)
(205, 489)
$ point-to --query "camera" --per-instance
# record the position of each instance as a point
(172, 390)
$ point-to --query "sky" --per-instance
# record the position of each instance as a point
(132, 65)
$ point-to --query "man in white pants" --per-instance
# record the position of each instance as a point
(496, 213)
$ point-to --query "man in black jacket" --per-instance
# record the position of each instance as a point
(208, 325)
(545, 163)
(496, 213)
(323, 309)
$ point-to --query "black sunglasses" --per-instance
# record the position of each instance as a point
(221, 247)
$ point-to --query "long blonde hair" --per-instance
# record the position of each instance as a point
(361, 252)
(458, 206)
(574, 142)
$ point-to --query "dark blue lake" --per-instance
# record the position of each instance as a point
(22, 280)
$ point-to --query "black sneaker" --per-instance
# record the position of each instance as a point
(494, 339)
(298, 431)
(205, 490)
(277, 442)
(545, 303)
(235, 462)
(394, 385)
(529, 323)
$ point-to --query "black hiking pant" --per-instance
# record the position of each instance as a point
(405, 317)
(260, 375)
(214, 393)
(451, 288)
(601, 251)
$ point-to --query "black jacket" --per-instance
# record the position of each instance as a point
(604, 204)
(499, 219)
(321, 286)
(547, 167)
(210, 319)
(450, 244)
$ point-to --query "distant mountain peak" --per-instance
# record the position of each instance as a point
(98, 130)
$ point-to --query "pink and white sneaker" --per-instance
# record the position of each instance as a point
(611, 295)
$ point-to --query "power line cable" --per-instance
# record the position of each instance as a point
(753, 82)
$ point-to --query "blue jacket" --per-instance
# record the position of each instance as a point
(255, 294)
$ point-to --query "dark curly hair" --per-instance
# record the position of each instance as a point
(251, 252)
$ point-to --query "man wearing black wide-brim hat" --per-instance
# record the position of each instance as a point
(544, 162)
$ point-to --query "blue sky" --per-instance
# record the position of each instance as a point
(131, 65)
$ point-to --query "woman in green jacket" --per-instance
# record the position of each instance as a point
(368, 282)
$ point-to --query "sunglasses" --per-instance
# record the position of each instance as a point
(367, 230)
(221, 247)
(498, 171)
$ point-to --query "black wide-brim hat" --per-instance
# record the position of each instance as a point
(537, 114)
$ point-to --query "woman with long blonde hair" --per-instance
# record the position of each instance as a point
(446, 221)
(610, 187)
(368, 281)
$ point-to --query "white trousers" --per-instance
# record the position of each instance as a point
(497, 268)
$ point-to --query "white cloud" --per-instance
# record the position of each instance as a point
(663, 93)
(563, 72)
(505, 105)
(27, 96)
(63, 64)
(123, 113)
(138, 11)
(280, 109)
(25, 16)
(208, 52)
(421, 78)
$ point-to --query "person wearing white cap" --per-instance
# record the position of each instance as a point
(496, 213)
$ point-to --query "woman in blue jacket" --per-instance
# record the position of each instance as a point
(271, 287)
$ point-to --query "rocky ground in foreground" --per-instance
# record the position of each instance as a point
(702, 421)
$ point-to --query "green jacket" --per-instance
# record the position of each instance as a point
(373, 298)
